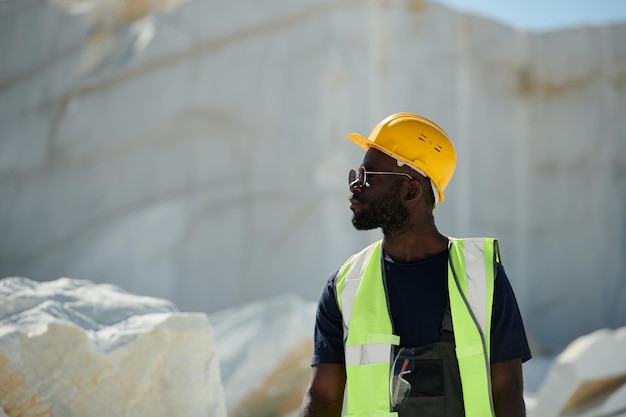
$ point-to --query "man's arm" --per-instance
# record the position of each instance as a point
(507, 387)
(324, 395)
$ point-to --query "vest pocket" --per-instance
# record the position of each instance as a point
(427, 396)
(427, 378)
(424, 406)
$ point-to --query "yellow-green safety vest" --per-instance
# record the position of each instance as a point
(368, 331)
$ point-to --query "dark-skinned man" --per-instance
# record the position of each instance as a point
(418, 324)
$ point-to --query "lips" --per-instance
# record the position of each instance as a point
(354, 202)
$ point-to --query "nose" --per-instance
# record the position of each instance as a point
(355, 187)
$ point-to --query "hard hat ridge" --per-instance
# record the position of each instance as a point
(418, 142)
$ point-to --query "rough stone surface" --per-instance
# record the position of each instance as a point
(588, 379)
(203, 157)
(265, 352)
(70, 348)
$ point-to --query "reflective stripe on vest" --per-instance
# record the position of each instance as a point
(369, 342)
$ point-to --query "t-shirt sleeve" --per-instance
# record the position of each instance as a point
(328, 335)
(508, 337)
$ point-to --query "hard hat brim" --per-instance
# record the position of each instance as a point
(360, 140)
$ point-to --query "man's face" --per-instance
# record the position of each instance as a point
(380, 204)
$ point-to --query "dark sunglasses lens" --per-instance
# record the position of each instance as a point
(356, 177)
(351, 177)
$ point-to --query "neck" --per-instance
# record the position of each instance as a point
(415, 244)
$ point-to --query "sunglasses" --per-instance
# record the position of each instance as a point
(358, 177)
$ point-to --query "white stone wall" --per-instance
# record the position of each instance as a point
(199, 153)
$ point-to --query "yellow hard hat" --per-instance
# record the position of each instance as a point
(417, 142)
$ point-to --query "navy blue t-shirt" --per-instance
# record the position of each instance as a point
(418, 296)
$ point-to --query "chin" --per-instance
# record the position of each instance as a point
(362, 226)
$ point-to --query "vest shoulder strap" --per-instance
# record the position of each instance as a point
(349, 279)
(477, 257)
(471, 276)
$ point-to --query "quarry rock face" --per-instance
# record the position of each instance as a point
(70, 348)
(136, 132)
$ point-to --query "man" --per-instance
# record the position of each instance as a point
(418, 324)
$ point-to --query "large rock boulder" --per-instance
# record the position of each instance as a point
(265, 353)
(588, 379)
(70, 348)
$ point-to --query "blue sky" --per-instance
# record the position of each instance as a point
(546, 14)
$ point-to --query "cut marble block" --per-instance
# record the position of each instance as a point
(265, 353)
(70, 348)
(588, 379)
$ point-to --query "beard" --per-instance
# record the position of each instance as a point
(386, 212)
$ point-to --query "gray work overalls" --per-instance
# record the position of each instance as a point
(435, 381)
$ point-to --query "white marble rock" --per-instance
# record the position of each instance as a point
(265, 352)
(588, 379)
(71, 348)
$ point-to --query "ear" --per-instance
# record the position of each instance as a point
(414, 190)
